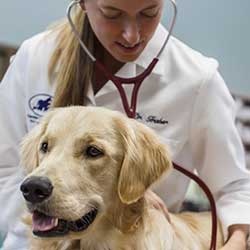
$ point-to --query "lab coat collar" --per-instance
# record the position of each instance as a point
(143, 61)
(149, 53)
(128, 70)
(152, 49)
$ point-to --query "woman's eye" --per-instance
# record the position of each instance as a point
(111, 15)
(44, 147)
(93, 152)
(150, 13)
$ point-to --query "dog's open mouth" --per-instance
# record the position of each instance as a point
(46, 226)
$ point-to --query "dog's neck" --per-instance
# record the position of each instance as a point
(127, 218)
(120, 225)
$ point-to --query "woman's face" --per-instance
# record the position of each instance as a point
(124, 27)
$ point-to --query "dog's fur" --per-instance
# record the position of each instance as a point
(133, 159)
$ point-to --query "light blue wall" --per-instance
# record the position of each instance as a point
(22, 19)
(221, 29)
(217, 28)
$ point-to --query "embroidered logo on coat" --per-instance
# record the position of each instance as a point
(151, 119)
(39, 104)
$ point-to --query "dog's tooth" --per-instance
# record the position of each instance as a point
(55, 222)
(86, 220)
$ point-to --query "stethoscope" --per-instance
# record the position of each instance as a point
(131, 109)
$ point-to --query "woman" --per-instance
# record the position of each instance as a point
(184, 99)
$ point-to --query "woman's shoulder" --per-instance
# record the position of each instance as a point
(180, 59)
(34, 56)
(32, 61)
(41, 44)
(190, 58)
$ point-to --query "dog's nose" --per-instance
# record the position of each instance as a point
(36, 189)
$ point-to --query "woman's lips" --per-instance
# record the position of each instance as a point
(128, 49)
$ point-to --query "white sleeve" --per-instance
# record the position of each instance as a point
(218, 153)
(12, 129)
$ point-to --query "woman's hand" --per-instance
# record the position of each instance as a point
(237, 239)
(157, 203)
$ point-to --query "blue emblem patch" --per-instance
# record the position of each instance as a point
(40, 103)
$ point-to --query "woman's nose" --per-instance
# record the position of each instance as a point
(131, 32)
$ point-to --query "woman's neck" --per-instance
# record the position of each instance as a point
(110, 63)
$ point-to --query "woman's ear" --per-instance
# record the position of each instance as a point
(82, 4)
(146, 159)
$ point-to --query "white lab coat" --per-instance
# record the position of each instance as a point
(184, 100)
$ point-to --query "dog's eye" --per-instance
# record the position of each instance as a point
(92, 151)
(44, 147)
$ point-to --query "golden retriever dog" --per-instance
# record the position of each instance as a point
(88, 171)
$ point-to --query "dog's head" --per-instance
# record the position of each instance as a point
(81, 161)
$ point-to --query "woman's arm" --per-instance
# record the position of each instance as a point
(218, 154)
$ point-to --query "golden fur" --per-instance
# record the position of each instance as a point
(133, 159)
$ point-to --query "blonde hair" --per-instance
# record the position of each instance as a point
(75, 69)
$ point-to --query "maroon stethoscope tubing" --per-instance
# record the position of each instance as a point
(131, 112)
(137, 81)
(210, 197)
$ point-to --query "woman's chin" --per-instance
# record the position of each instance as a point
(126, 58)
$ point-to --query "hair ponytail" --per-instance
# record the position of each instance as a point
(75, 69)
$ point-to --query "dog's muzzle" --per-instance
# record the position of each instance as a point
(36, 190)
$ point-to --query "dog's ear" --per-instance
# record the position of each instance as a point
(29, 146)
(145, 160)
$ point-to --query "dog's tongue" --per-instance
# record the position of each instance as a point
(42, 222)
